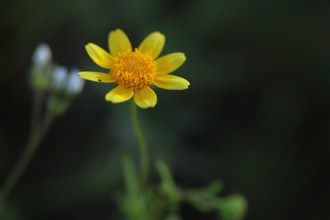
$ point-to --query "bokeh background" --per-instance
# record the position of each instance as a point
(257, 114)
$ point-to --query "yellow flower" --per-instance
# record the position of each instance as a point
(135, 71)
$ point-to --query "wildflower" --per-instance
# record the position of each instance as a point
(136, 71)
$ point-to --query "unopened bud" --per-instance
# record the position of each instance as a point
(60, 77)
(42, 55)
(75, 84)
(41, 68)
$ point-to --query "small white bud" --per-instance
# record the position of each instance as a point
(75, 84)
(59, 77)
(42, 55)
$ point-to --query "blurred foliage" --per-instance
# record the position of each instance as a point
(256, 115)
(164, 201)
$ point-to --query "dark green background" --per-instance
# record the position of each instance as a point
(256, 115)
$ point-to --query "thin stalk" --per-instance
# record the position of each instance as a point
(38, 99)
(144, 160)
(26, 156)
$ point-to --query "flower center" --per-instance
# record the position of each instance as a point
(133, 70)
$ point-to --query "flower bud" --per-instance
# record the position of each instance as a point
(60, 78)
(42, 55)
(41, 68)
(75, 84)
(65, 87)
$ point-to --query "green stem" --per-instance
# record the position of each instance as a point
(26, 156)
(38, 99)
(144, 160)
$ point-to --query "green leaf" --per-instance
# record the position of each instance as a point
(205, 199)
(168, 186)
(133, 201)
(57, 104)
(212, 189)
(232, 207)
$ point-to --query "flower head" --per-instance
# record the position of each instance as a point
(135, 71)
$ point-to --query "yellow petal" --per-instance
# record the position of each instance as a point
(118, 42)
(99, 56)
(170, 62)
(153, 44)
(145, 97)
(119, 94)
(171, 82)
(97, 77)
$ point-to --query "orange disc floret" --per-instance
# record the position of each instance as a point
(133, 70)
